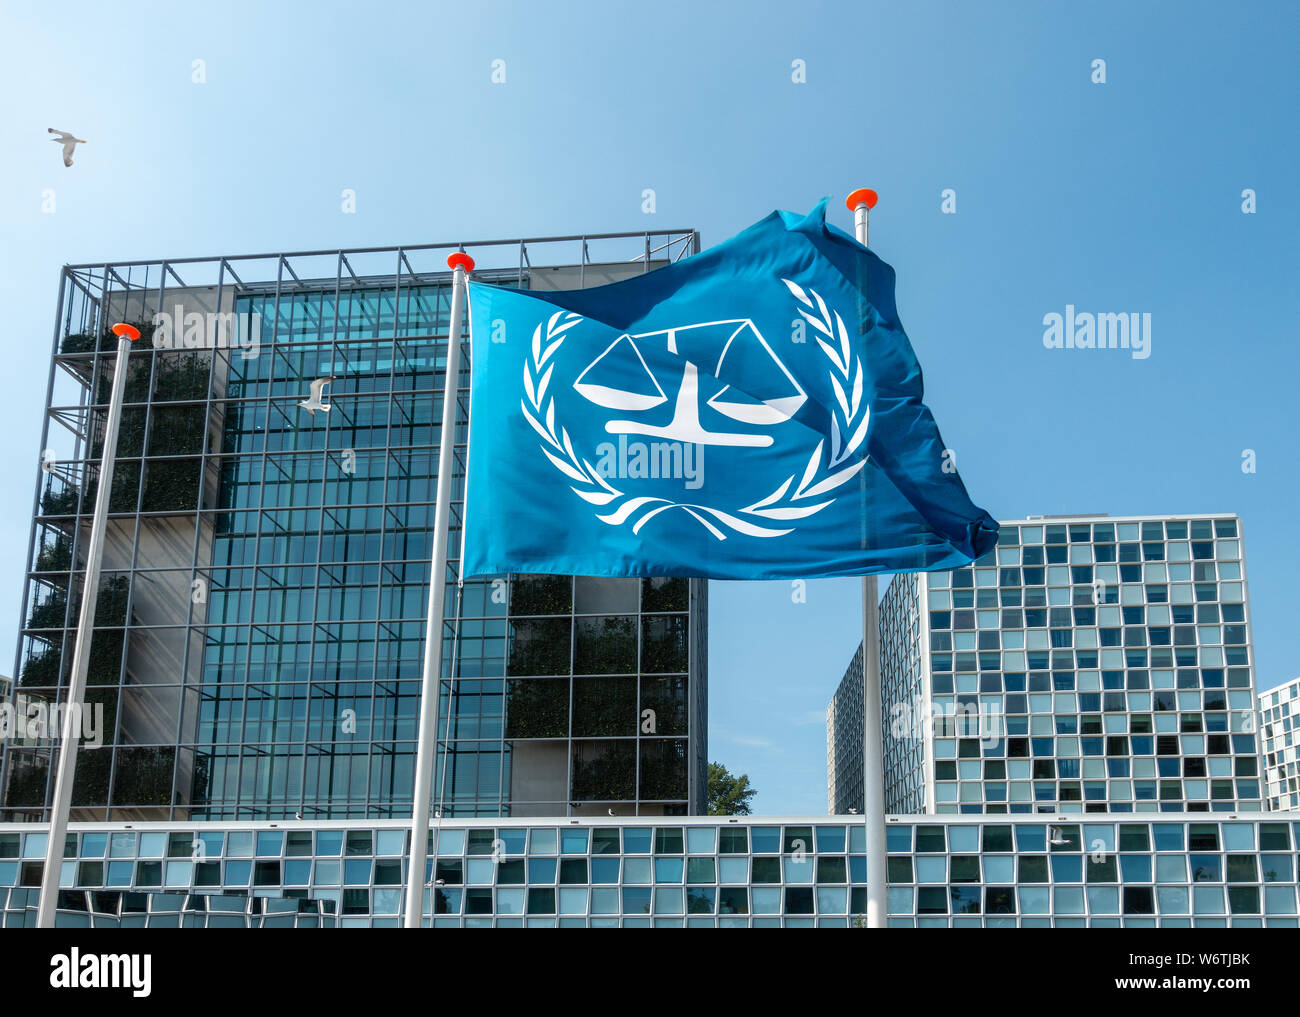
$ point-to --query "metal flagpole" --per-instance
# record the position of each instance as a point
(860, 202)
(75, 703)
(461, 265)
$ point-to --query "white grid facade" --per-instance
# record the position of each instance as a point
(1086, 664)
(1279, 711)
(1171, 871)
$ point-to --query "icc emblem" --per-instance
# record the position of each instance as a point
(728, 347)
(727, 366)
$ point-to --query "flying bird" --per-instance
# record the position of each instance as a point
(312, 403)
(68, 141)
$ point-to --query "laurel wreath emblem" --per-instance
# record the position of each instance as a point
(824, 472)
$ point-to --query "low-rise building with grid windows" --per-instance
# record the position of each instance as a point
(153, 909)
(1279, 714)
(1173, 871)
(1086, 664)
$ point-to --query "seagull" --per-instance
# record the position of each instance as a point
(313, 403)
(1055, 836)
(612, 812)
(68, 141)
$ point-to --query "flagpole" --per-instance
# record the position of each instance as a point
(860, 202)
(426, 752)
(74, 705)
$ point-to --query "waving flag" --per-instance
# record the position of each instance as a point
(752, 412)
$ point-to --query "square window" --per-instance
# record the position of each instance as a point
(604, 841)
(999, 900)
(700, 900)
(1139, 900)
(767, 870)
(899, 870)
(833, 870)
(701, 870)
(573, 871)
(733, 840)
(668, 870)
(733, 870)
(799, 900)
(965, 869)
(965, 900)
(767, 839)
(930, 839)
(604, 870)
(932, 900)
(733, 900)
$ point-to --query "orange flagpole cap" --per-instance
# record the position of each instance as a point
(862, 196)
(123, 329)
(461, 260)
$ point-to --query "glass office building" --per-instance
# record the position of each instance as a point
(1174, 870)
(1279, 713)
(1087, 664)
(844, 774)
(260, 618)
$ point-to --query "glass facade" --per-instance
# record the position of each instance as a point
(1279, 712)
(844, 774)
(1176, 870)
(138, 909)
(1087, 664)
(260, 620)
(908, 745)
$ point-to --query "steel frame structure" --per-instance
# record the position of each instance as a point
(92, 295)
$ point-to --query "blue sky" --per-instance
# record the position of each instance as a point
(1122, 196)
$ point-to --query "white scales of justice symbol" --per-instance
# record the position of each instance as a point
(768, 396)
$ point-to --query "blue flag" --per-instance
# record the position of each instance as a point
(752, 412)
